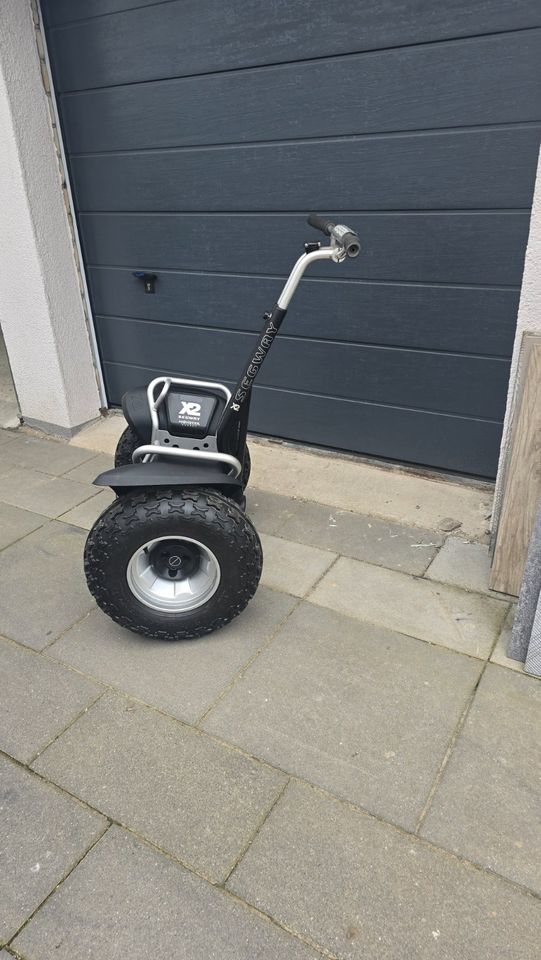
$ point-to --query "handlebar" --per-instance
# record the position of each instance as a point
(344, 236)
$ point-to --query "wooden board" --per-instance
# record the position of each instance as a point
(523, 481)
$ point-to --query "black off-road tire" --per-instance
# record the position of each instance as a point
(203, 515)
(246, 468)
(128, 442)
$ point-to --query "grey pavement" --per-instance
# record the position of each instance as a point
(85, 514)
(44, 834)
(51, 496)
(43, 588)
(293, 567)
(487, 804)
(46, 456)
(193, 797)
(134, 902)
(39, 699)
(185, 679)
(342, 532)
(350, 769)
(434, 612)
(463, 563)
(15, 523)
(360, 888)
(370, 720)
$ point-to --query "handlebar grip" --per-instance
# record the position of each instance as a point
(345, 236)
(318, 222)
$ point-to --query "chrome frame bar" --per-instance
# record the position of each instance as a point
(167, 381)
(149, 450)
(332, 252)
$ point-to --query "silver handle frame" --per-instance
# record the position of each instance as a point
(331, 252)
(148, 451)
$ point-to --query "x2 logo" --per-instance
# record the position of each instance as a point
(189, 409)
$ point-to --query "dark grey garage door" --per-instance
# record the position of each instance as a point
(199, 134)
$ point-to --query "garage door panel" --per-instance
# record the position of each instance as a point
(466, 248)
(200, 133)
(58, 12)
(458, 319)
(405, 89)
(472, 386)
(418, 437)
(349, 174)
(204, 36)
(446, 442)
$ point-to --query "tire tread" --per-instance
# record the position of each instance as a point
(134, 510)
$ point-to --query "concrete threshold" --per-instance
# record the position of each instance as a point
(344, 483)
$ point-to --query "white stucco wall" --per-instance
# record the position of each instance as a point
(529, 321)
(41, 308)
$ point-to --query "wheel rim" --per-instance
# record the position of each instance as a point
(173, 574)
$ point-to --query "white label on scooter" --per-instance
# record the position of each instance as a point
(189, 409)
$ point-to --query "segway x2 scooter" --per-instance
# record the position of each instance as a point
(175, 556)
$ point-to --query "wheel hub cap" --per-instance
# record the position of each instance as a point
(174, 559)
(173, 574)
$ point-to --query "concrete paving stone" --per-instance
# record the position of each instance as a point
(87, 471)
(16, 523)
(40, 493)
(364, 538)
(128, 900)
(43, 834)
(292, 567)
(268, 511)
(48, 456)
(499, 654)
(43, 586)
(387, 492)
(6, 436)
(361, 711)
(194, 798)
(362, 889)
(39, 699)
(430, 611)
(9, 414)
(463, 563)
(488, 805)
(86, 514)
(103, 435)
(182, 679)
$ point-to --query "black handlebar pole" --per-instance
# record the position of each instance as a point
(231, 432)
(344, 236)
